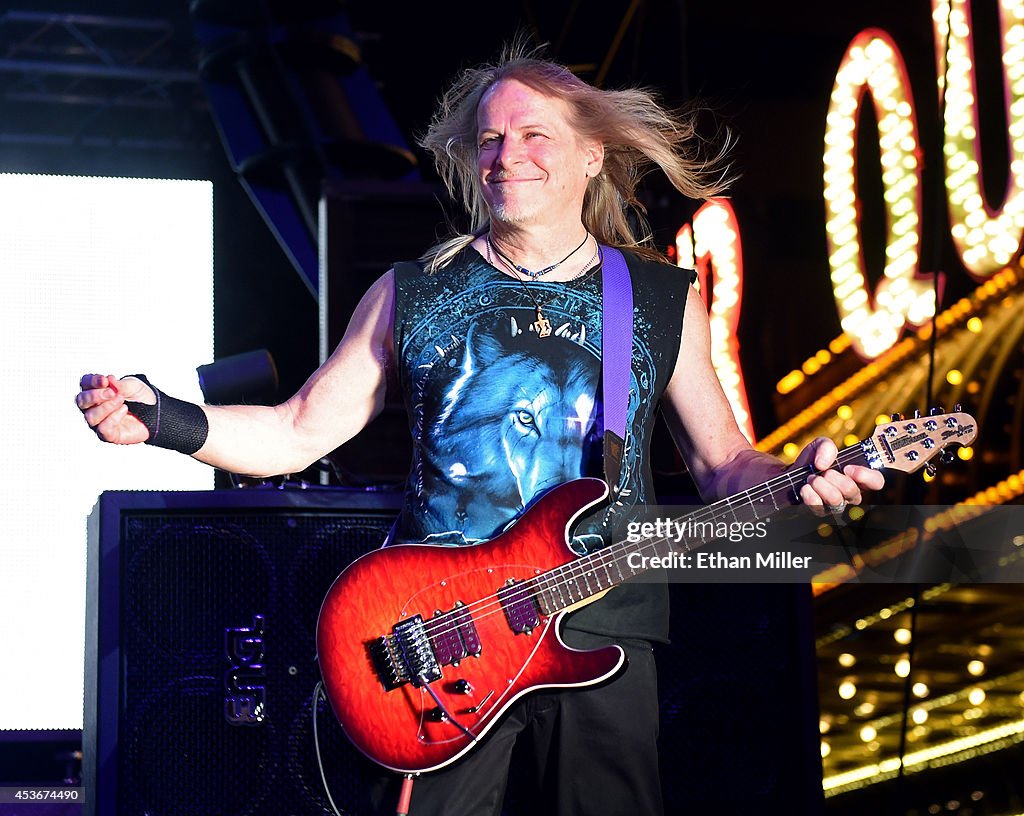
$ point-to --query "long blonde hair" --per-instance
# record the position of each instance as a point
(637, 132)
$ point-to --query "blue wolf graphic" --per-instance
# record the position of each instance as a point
(516, 418)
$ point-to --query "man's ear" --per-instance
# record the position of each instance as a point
(595, 158)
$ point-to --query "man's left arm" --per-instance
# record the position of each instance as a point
(720, 459)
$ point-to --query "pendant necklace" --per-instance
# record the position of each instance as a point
(542, 326)
(522, 270)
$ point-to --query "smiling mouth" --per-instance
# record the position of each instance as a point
(499, 180)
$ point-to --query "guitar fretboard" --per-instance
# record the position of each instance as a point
(610, 566)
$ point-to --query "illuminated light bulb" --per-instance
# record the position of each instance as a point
(865, 709)
(902, 667)
(919, 716)
(966, 453)
(847, 689)
(976, 696)
(824, 726)
(826, 749)
(846, 660)
(872, 65)
(844, 412)
(920, 690)
(713, 245)
(961, 149)
(868, 733)
(790, 450)
(954, 376)
(882, 419)
(902, 636)
(976, 668)
(855, 513)
(850, 440)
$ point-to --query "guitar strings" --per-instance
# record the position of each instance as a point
(572, 571)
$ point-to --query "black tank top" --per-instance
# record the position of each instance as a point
(498, 414)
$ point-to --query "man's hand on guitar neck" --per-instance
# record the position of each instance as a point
(830, 487)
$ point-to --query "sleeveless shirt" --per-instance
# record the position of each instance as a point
(498, 414)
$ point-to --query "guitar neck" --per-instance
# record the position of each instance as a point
(592, 574)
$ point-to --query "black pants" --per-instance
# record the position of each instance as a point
(589, 752)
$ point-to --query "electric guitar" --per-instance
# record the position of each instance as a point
(423, 647)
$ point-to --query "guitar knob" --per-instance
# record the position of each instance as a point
(463, 687)
(437, 714)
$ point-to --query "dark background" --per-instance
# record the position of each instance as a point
(764, 70)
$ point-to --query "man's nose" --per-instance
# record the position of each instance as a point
(510, 153)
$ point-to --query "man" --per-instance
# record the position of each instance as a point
(496, 340)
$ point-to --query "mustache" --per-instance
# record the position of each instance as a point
(503, 175)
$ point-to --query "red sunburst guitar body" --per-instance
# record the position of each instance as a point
(422, 648)
(493, 649)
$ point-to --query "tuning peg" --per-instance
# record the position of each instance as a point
(946, 456)
(896, 417)
(934, 411)
(930, 469)
(917, 414)
(957, 409)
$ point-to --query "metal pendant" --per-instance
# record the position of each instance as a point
(542, 325)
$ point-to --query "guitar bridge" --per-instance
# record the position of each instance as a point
(405, 656)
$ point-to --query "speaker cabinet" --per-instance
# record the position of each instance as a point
(200, 651)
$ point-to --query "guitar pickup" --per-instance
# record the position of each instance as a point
(453, 635)
(521, 610)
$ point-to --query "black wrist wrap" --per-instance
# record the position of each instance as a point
(172, 423)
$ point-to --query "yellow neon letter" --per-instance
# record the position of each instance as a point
(872, 63)
(718, 249)
(986, 238)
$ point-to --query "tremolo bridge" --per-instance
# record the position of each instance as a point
(416, 649)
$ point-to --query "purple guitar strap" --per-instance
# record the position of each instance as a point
(616, 359)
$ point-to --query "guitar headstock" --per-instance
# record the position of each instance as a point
(910, 444)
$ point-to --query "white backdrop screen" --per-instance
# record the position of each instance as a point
(105, 275)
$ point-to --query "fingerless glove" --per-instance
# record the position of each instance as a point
(172, 423)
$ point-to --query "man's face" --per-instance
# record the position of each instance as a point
(534, 168)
